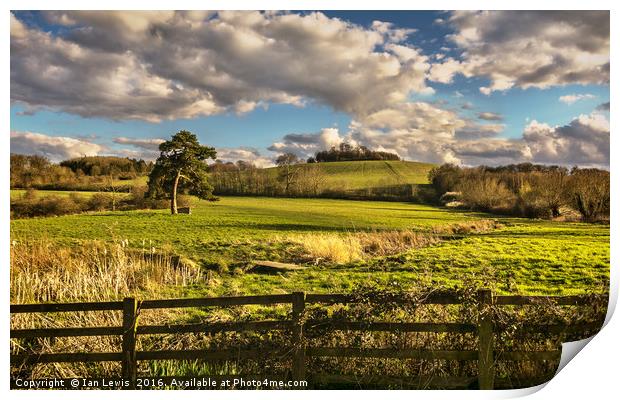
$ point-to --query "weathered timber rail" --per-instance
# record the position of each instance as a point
(485, 330)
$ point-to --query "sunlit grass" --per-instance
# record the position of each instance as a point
(524, 256)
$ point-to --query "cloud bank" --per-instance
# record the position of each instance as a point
(169, 65)
(529, 48)
(56, 148)
(163, 65)
(573, 98)
(583, 141)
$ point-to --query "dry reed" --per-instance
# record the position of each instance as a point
(46, 272)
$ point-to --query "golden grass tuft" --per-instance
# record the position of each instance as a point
(331, 247)
(45, 272)
(385, 243)
(465, 228)
(356, 246)
(350, 247)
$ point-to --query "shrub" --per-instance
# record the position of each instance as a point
(589, 193)
(486, 193)
(423, 194)
(100, 202)
(183, 201)
(47, 206)
(445, 178)
(138, 199)
(30, 195)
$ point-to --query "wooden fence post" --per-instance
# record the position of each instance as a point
(299, 355)
(130, 317)
(486, 368)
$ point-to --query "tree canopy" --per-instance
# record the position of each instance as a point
(347, 152)
(181, 166)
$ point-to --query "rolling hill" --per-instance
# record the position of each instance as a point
(359, 175)
(362, 180)
(365, 174)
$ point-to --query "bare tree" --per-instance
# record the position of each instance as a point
(589, 190)
(110, 186)
(551, 190)
(288, 170)
(314, 179)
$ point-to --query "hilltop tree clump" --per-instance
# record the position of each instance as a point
(181, 166)
(347, 152)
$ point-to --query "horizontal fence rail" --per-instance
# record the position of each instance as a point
(484, 329)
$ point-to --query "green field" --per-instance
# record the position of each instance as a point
(353, 175)
(523, 256)
(360, 175)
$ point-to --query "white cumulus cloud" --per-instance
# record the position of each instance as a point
(56, 148)
(167, 65)
(573, 98)
(531, 48)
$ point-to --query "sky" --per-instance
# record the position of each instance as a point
(469, 88)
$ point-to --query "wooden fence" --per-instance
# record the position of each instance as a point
(485, 355)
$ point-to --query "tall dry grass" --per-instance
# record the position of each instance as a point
(46, 272)
(356, 246)
(350, 247)
(43, 272)
(330, 247)
(468, 227)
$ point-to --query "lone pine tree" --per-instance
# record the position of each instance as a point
(181, 166)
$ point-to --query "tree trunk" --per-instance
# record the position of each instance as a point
(173, 199)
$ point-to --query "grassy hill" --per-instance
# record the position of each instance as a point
(367, 180)
(355, 175)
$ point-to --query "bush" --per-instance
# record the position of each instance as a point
(137, 196)
(30, 195)
(138, 199)
(486, 193)
(529, 203)
(445, 178)
(526, 190)
(33, 204)
(47, 206)
(423, 194)
(183, 200)
(589, 193)
(101, 202)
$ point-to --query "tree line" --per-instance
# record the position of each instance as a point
(527, 190)
(123, 168)
(292, 178)
(84, 173)
(348, 152)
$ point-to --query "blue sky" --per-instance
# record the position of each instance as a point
(58, 110)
